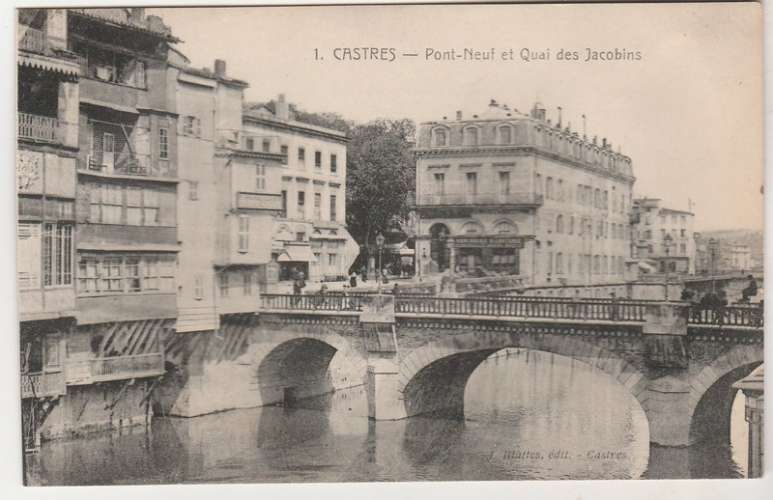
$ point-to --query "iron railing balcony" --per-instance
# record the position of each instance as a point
(457, 199)
(33, 40)
(41, 385)
(37, 127)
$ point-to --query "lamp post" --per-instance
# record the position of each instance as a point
(380, 245)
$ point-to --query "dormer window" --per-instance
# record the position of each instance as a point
(505, 134)
(440, 138)
(470, 136)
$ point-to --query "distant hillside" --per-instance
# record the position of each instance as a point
(754, 239)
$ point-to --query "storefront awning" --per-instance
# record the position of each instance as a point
(297, 254)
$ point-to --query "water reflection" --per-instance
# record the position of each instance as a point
(528, 415)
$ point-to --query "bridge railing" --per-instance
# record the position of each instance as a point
(330, 302)
(608, 310)
(752, 316)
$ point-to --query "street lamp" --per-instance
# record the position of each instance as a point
(380, 245)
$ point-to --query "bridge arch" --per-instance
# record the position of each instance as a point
(305, 365)
(432, 378)
(713, 394)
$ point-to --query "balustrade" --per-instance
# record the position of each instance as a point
(36, 127)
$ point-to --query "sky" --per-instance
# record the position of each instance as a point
(688, 111)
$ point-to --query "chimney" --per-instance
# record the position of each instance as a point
(604, 142)
(595, 140)
(219, 68)
(282, 108)
(459, 115)
(136, 15)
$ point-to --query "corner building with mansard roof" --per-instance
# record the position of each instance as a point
(510, 193)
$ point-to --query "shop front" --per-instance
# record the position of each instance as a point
(481, 255)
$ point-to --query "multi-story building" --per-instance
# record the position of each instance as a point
(96, 110)
(310, 235)
(228, 199)
(47, 118)
(663, 236)
(507, 192)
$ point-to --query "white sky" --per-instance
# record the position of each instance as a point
(689, 113)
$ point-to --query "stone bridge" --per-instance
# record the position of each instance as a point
(416, 353)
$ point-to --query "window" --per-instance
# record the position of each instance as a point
(28, 252)
(139, 76)
(284, 203)
(110, 275)
(333, 208)
(683, 233)
(133, 206)
(198, 287)
(57, 254)
(117, 274)
(301, 155)
(300, 236)
(549, 188)
(151, 207)
(247, 283)
(191, 126)
(283, 150)
(318, 159)
(244, 233)
(538, 183)
(332, 261)
(163, 143)
(440, 184)
(470, 136)
(504, 183)
(560, 224)
(249, 144)
(682, 249)
(51, 354)
(580, 195)
(560, 190)
(223, 284)
(150, 274)
(266, 146)
(472, 184)
(108, 150)
(132, 275)
(648, 234)
(559, 263)
(193, 190)
(441, 139)
(301, 202)
(260, 177)
(317, 206)
(571, 225)
(333, 164)
(505, 134)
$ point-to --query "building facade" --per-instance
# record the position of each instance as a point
(97, 194)
(309, 235)
(229, 199)
(512, 193)
(663, 236)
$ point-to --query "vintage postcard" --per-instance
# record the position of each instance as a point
(365, 243)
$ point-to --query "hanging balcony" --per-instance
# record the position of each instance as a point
(38, 128)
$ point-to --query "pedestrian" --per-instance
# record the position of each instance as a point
(353, 280)
(750, 291)
(395, 290)
(384, 277)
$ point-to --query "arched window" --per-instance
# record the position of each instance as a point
(505, 227)
(538, 183)
(597, 198)
(470, 136)
(472, 228)
(560, 224)
(549, 188)
(560, 190)
(571, 225)
(440, 137)
(505, 134)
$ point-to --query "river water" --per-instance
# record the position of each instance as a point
(528, 415)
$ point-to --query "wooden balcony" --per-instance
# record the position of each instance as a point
(41, 385)
(33, 40)
(94, 370)
(38, 128)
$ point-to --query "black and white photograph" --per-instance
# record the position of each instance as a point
(388, 243)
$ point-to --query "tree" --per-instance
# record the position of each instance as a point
(380, 175)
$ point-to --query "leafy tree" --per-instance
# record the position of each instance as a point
(380, 175)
